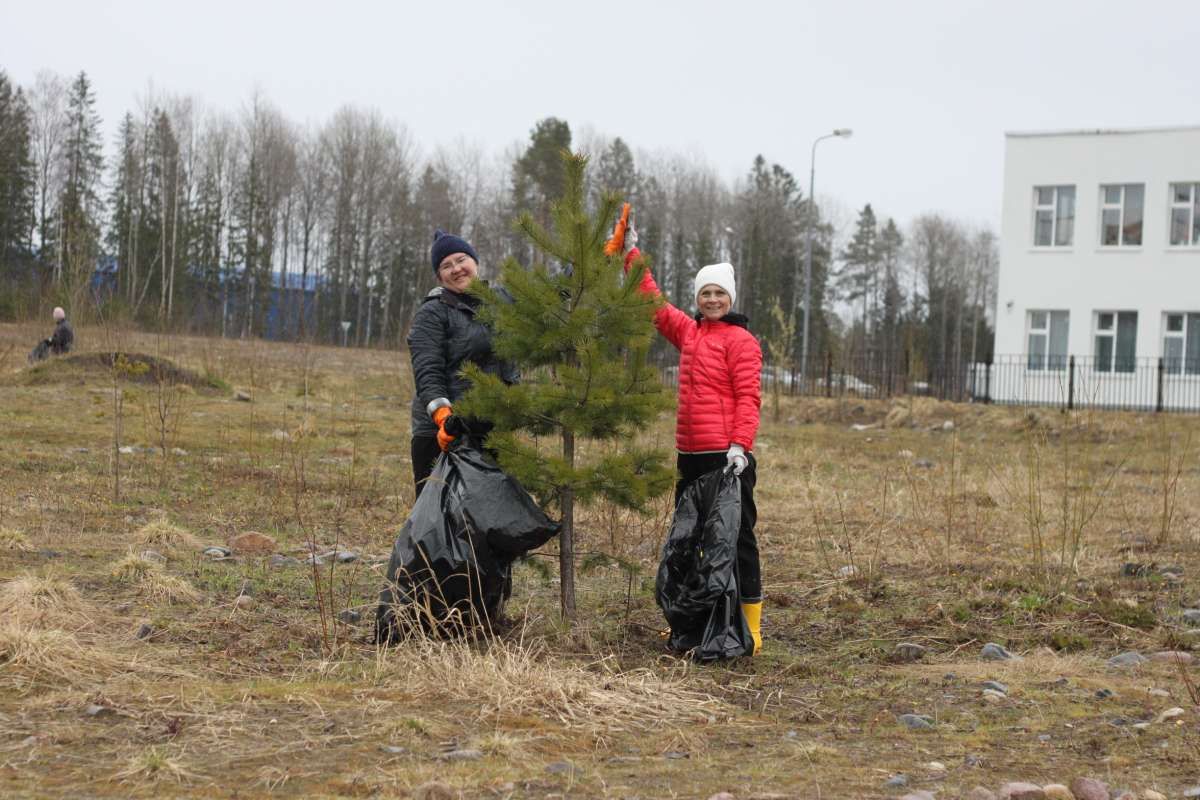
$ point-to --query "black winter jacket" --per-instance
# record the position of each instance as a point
(444, 336)
(63, 337)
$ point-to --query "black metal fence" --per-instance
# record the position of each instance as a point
(1130, 384)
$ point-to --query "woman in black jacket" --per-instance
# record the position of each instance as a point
(444, 336)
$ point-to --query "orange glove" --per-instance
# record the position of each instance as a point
(616, 242)
(439, 418)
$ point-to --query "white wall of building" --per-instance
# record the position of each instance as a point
(1085, 277)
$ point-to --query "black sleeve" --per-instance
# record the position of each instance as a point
(427, 348)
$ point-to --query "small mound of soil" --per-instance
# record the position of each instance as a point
(133, 368)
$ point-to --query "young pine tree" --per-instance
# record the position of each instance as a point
(580, 332)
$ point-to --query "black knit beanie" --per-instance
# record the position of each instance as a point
(445, 244)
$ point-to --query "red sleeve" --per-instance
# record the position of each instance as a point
(670, 321)
(745, 365)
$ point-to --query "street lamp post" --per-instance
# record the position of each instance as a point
(812, 174)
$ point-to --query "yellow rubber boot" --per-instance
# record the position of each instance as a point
(753, 614)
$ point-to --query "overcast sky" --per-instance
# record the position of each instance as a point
(928, 87)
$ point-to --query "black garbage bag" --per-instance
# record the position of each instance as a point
(697, 584)
(451, 566)
(41, 352)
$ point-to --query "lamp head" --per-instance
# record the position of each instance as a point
(845, 133)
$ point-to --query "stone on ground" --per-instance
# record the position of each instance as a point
(916, 722)
(995, 652)
(252, 543)
(910, 651)
(1020, 790)
(1089, 789)
(980, 793)
(1130, 658)
(435, 790)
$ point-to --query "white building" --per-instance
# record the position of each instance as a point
(1100, 269)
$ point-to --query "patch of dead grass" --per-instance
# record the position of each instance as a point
(161, 533)
(152, 765)
(43, 601)
(14, 540)
(31, 657)
(503, 744)
(152, 581)
(503, 679)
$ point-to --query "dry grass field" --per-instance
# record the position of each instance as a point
(1068, 539)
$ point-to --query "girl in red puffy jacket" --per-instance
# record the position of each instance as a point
(720, 367)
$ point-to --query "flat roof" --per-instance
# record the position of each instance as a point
(1105, 131)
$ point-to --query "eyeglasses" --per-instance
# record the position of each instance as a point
(458, 261)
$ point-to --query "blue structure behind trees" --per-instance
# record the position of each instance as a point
(287, 310)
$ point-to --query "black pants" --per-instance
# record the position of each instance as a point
(425, 451)
(692, 466)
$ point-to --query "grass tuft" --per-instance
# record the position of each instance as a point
(43, 601)
(132, 568)
(169, 589)
(504, 679)
(152, 581)
(14, 540)
(162, 534)
(32, 657)
(154, 764)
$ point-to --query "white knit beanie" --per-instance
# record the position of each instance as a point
(717, 275)
(59, 314)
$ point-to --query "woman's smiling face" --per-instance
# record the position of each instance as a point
(456, 271)
(713, 301)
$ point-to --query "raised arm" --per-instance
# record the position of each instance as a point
(670, 321)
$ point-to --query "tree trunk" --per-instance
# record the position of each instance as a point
(162, 247)
(174, 242)
(566, 539)
(303, 282)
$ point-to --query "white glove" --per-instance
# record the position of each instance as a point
(631, 238)
(736, 458)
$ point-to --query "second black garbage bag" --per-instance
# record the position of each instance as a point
(451, 565)
(697, 584)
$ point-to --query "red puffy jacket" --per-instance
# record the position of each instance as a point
(720, 369)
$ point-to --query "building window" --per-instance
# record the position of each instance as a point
(1181, 344)
(1116, 341)
(1121, 214)
(1185, 214)
(1053, 216)
(1047, 340)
